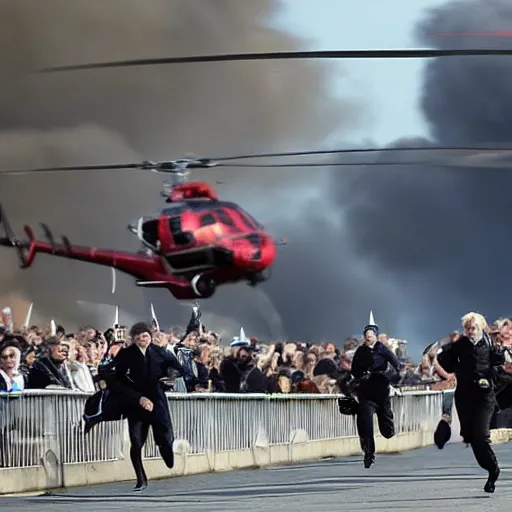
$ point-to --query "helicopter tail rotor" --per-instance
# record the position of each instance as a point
(26, 250)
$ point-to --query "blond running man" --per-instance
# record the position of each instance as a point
(473, 360)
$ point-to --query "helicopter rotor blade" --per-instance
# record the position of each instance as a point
(171, 167)
(73, 168)
(321, 54)
(355, 151)
(469, 156)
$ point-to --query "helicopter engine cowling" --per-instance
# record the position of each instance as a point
(203, 286)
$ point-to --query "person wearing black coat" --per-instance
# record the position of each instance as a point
(240, 373)
(252, 378)
(230, 374)
(139, 369)
(474, 360)
(50, 367)
(372, 376)
(113, 400)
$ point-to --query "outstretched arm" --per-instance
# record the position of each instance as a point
(440, 370)
(391, 358)
(393, 373)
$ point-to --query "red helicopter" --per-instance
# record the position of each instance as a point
(200, 242)
(196, 244)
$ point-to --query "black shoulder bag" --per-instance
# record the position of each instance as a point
(348, 406)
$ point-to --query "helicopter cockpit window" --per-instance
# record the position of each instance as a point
(252, 219)
(224, 218)
(249, 221)
(207, 220)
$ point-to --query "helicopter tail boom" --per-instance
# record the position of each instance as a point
(148, 270)
(139, 266)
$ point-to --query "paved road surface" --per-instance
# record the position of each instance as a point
(419, 481)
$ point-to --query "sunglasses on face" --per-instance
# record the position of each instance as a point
(8, 356)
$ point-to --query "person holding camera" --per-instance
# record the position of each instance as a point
(374, 366)
(474, 360)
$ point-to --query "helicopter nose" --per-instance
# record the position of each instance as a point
(256, 252)
(268, 252)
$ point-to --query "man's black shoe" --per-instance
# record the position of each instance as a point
(442, 434)
(369, 461)
(490, 485)
(140, 486)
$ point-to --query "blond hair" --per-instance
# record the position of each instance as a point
(477, 319)
(500, 323)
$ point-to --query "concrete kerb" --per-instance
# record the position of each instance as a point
(262, 454)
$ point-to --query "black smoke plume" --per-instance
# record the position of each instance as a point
(442, 236)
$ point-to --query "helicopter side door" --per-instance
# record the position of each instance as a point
(147, 231)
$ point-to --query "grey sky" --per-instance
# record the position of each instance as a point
(390, 87)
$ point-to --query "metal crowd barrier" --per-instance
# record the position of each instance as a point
(34, 424)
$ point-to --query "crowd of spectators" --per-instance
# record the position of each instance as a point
(38, 358)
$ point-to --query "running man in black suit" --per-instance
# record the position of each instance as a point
(474, 359)
(139, 369)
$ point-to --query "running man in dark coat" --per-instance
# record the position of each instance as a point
(139, 369)
(474, 360)
(374, 366)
